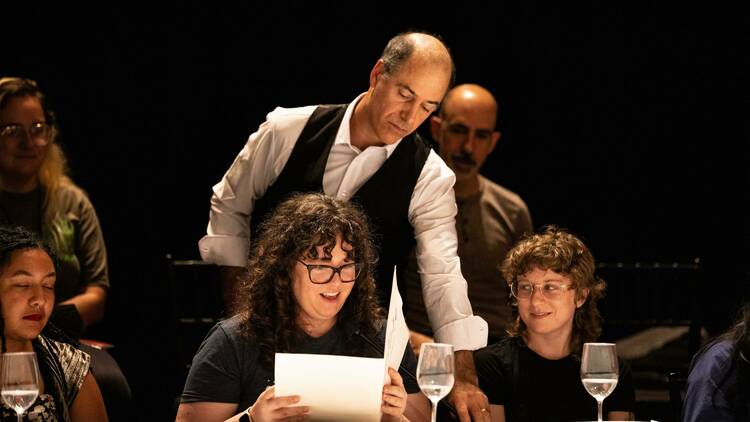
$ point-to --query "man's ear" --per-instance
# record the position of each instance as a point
(376, 71)
(581, 297)
(435, 127)
(495, 138)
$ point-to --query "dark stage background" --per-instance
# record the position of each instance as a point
(619, 122)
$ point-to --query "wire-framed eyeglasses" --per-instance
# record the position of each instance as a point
(322, 274)
(548, 289)
(39, 132)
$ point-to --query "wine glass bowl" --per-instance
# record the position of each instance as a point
(435, 372)
(19, 381)
(599, 371)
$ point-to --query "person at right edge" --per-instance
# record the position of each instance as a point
(718, 386)
(366, 152)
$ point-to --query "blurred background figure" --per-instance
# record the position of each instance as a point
(718, 386)
(490, 219)
(37, 193)
(28, 277)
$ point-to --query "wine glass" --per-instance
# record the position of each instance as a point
(599, 370)
(435, 372)
(19, 377)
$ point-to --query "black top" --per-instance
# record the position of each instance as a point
(385, 197)
(226, 369)
(532, 388)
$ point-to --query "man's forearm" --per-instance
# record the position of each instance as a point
(470, 402)
(465, 369)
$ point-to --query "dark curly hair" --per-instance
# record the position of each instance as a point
(265, 300)
(557, 250)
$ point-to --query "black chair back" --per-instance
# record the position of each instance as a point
(645, 295)
(196, 292)
(677, 389)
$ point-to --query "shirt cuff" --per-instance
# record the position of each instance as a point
(469, 333)
(224, 250)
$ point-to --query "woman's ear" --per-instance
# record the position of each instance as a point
(581, 297)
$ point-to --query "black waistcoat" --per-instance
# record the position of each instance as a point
(385, 197)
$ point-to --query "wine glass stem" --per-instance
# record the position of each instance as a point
(433, 418)
(19, 416)
(599, 409)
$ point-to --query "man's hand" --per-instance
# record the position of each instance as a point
(416, 339)
(470, 402)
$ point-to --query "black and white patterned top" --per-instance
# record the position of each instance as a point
(75, 366)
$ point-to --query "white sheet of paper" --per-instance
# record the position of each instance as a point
(396, 331)
(337, 388)
(345, 388)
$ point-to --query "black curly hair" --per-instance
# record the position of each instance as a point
(265, 301)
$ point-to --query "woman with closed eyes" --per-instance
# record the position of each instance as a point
(68, 391)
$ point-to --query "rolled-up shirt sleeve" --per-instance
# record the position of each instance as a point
(259, 163)
(432, 213)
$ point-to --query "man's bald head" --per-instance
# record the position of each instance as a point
(419, 46)
(407, 84)
(465, 131)
(470, 98)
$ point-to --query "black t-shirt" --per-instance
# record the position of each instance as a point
(545, 390)
(226, 368)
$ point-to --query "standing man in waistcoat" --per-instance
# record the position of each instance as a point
(490, 220)
(366, 152)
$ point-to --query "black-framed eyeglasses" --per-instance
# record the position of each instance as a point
(548, 289)
(38, 132)
(322, 274)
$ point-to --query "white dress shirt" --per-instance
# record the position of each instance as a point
(432, 212)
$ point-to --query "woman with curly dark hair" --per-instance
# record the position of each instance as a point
(28, 273)
(309, 289)
(718, 387)
(534, 374)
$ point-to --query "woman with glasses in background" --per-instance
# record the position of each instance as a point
(36, 193)
(534, 374)
(309, 289)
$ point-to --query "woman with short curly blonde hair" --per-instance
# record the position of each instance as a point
(557, 250)
(535, 373)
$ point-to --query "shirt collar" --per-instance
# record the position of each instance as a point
(343, 136)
